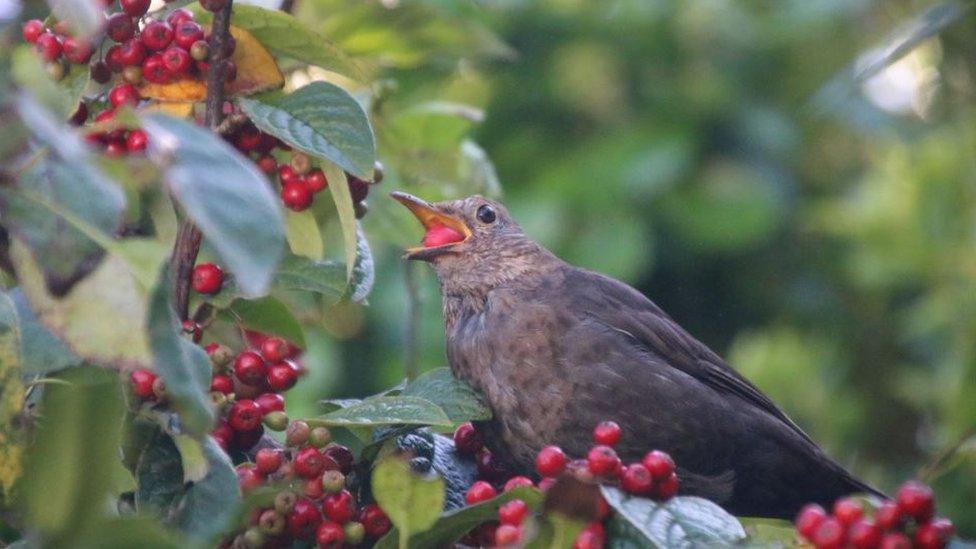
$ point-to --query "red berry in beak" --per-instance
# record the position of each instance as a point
(439, 235)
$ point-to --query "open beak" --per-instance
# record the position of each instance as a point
(431, 218)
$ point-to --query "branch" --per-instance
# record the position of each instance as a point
(411, 329)
(188, 239)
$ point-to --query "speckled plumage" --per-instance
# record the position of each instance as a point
(556, 349)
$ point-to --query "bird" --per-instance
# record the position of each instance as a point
(555, 349)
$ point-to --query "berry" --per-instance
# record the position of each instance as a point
(341, 456)
(864, 534)
(248, 477)
(489, 468)
(303, 519)
(517, 482)
(546, 483)
(32, 30)
(249, 367)
(478, 492)
(467, 440)
(829, 534)
(316, 181)
(606, 433)
(245, 440)
(358, 188)
(186, 33)
(888, 516)
(222, 384)
(154, 70)
(268, 460)
(281, 376)
(157, 35)
(136, 142)
(176, 60)
(142, 383)
(100, 72)
(934, 534)
(120, 27)
(287, 174)
(309, 462)
(636, 479)
(513, 512)
(916, 500)
(848, 510)
(135, 8)
(213, 5)
(245, 415)
(271, 522)
(113, 58)
(49, 46)
(659, 464)
(115, 148)
(266, 163)
(375, 521)
(296, 196)
(896, 540)
(276, 421)
(440, 235)
(189, 327)
(329, 535)
(124, 94)
(313, 489)
(178, 16)
(200, 51)
(550, 462)
(132, 75)
(667, 488)
(297, 433)
(301, 163)
(339, 507)
(602, 461)
(333, 482)
(592, 537)
(270, 402)
(507, 534)
(80, 116)
(132, 52)
(207, 278)
(274, 349)
(319, 437)
(223, 434)
(354, 532)
(76, 50)
(284, 502)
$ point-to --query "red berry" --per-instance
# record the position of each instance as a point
(287, 174)
(230, 71)
(829, 534)
(517, 482)
(864, 534)
(358, 188)
(223, 434)
(245, 415)
(296, 196)
(270, 402)
(513, 512)
(157, 35)
(507, 534)
(606, 433)
(341, 456)
(154, 70)
(478, 492)
(888, 516)
(250, 368)
(489, 468)
(136, 141)
(100, 72)
(934, 534)
(274, 349)
(222, 384)
(659, 464)
(467, 440)
(636, 479)
(80, 116)
(329, 535)
(316, 181)
(667, 488)
(309, 462)
(120, 27)
(550, 461)
(339, 507)
(76, 50)
(189, 327)
(603, 461)
(245, 440)
(268, 460)
(123, 94)
(213, 5)
(592, 537)
(248, 477)
(49, 46)
(186, 33)
(142, 383)
(207, 278)
(375, 521)
(113, 58)
(546, 483)
(267, 164)
(115, 148)
(281, 376)
(848, 510)
(896, 540)
(132, 52)
(916, 500)
(303, 519)
(32, 30)
(178, 16)
(176, 60)
(135, 8)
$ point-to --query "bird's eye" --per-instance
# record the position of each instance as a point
(486, 214)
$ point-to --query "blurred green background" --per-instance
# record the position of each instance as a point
(736, 161)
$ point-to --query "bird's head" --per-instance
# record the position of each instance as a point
(473, 243)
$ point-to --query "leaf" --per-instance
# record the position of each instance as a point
(11, 395)
(286, 36)
(342, 197)
(683, 521)
(394, 410)
(225, 195)
(184, 366)
(159, 475)
(556, 531)
(770, 532)
(40, 351)
(295, 273)
(453, 525)
(268, 315)
(257, 72)
(304, 236)
(320, 119)
(363, 269)
(127, 532)
(74, 451)
(85, 16)
(412, 502)
(180, 109)
(456, 398)
(61, 97)
(195, 465)
(210, 503)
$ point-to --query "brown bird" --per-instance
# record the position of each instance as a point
(555, 349)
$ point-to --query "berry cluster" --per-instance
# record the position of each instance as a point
(56, 46)
(117, 141)
(905, 522)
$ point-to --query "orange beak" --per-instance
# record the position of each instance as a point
(431, 219)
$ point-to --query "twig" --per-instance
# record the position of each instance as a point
(188, 239)
(411, 330)
(931, 470)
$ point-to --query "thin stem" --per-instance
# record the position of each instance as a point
(411, 330)
(931, 470)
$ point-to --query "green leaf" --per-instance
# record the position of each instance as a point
(85, 16)
(320, 119)
(159, 475)
(363, 269)
(412, 502)
(74, 451)
(62, 97)
(184, 366)
(11, 395)
(127, 532)
(210, 503)
(393, 410)
(556, 531)
(298, 273)
(284, 35)
(769, 532)
(268, 315)
(456, 398)
(195, 465)
(304, 236)
(225, 194)
(683, 521)
(452, 525)
(40, 351)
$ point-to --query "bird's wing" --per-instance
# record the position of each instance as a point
(628, 312)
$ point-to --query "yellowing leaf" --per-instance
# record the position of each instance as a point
(257, 71)
(11, 396)
(180, 109)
